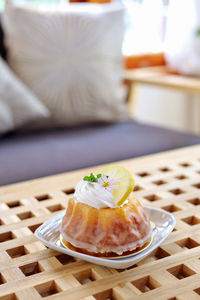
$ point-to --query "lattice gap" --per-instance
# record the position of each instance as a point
(31, 269)
(13, 204)
(181, 271)
(47, 289)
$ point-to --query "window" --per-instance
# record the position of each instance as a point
(145, 26)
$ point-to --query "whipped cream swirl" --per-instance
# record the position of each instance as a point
(94, 194)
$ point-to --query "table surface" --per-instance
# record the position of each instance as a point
(161, 76)
(29, 270)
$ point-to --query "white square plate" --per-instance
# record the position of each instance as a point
(49, 234)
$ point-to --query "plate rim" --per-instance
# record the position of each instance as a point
(116, 263)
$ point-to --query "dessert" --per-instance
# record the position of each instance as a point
(104, 216)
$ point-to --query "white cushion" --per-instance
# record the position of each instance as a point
(18, 106)
(70, 57)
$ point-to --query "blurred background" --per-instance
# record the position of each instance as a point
(83, 84)
(144, 45)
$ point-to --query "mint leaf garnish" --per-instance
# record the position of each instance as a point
(92, 177)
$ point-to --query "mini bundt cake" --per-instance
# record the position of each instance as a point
(95, 222)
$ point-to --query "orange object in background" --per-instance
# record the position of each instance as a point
(92, 1)
(144, 60)
(99, 1)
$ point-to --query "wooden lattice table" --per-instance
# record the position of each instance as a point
(29, 270)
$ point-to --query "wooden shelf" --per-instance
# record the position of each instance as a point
(162, 77)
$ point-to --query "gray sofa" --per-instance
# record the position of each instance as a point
(28, 155)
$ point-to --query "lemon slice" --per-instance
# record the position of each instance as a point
(126, 182)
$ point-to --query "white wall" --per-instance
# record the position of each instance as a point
(168, 108)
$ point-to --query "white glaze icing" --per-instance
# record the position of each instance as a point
(94, 194)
